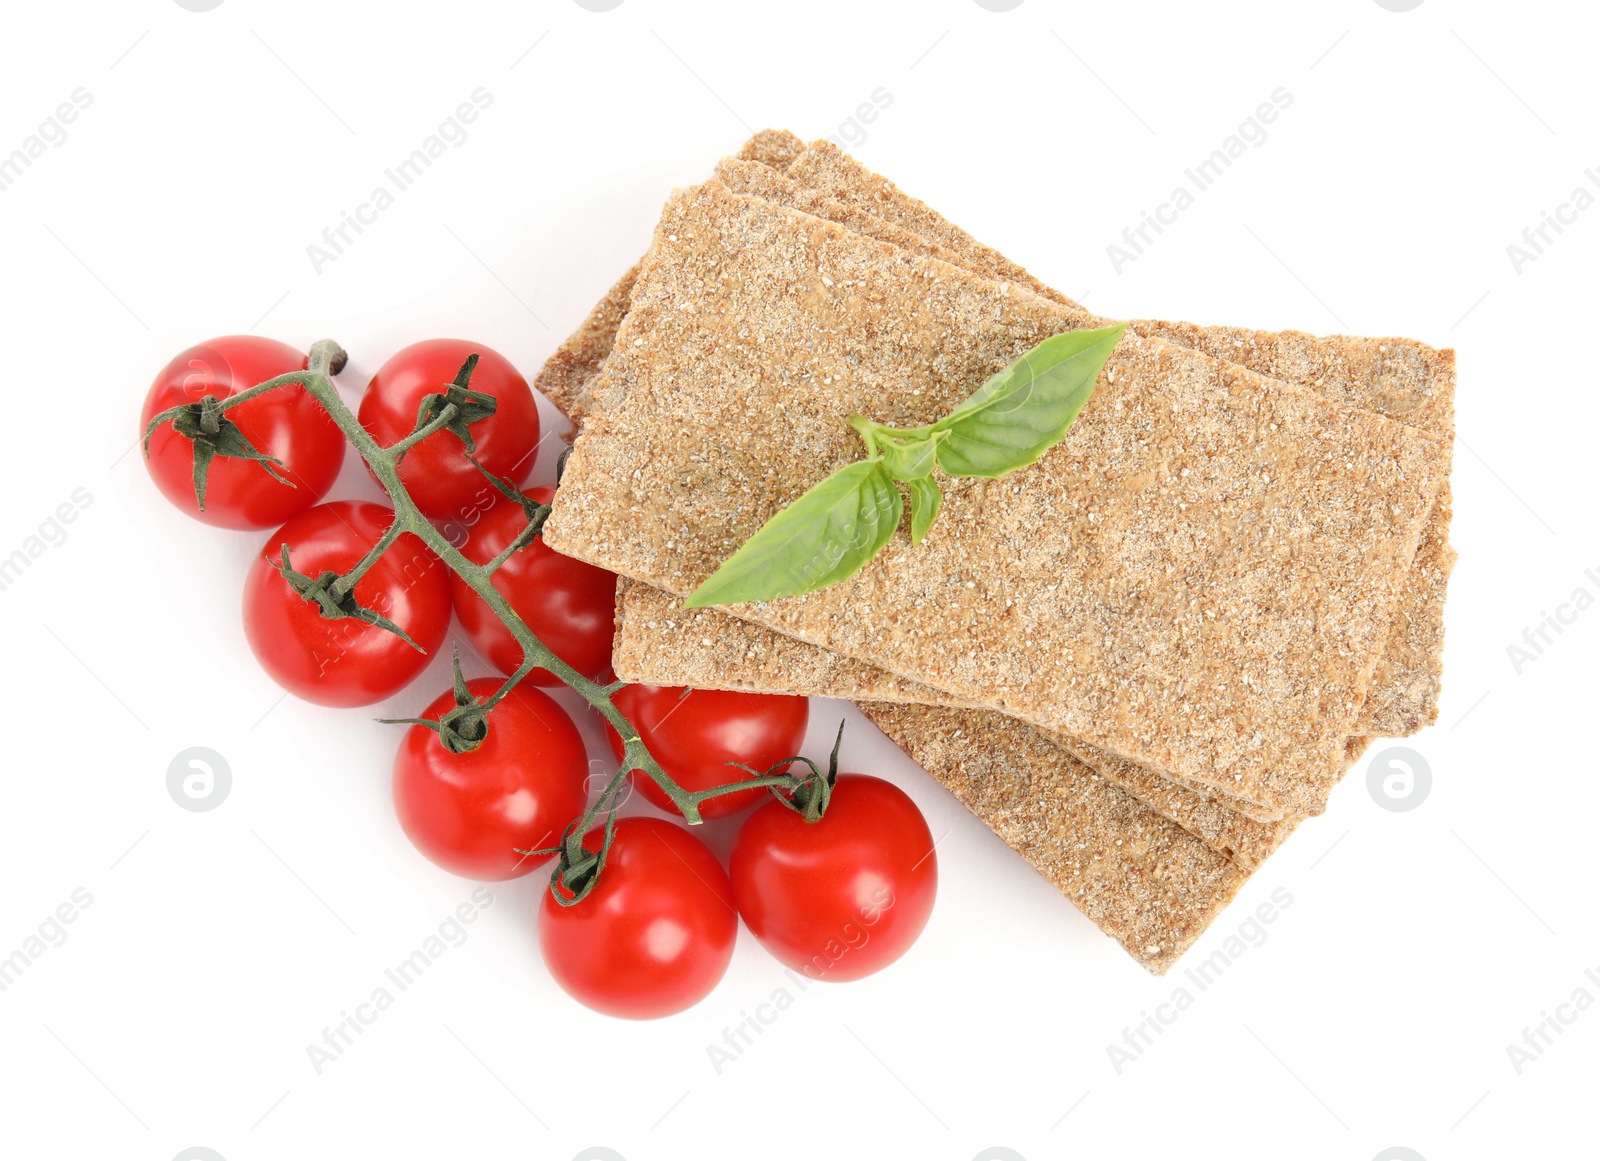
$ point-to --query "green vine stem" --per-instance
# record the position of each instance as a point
(577, 868)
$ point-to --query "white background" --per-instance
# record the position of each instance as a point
(219, 945)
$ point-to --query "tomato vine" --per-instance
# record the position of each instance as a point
(453, 409)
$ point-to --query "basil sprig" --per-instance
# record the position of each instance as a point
(840, 524)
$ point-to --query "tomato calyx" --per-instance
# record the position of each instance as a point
(213, 434)
(810, 792)
(577, 868)
(334, 593)
(466, 726)
(536, 513)
(454, 409)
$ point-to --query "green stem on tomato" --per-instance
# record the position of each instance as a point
(325, 361)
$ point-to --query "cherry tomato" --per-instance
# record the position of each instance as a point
(693, 733)
(286, 423)
(345, 662)
(436, 472)
(517, 790)
(843, 897)
(569, 605)
(654, 935)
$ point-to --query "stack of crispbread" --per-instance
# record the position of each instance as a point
(1141, 661)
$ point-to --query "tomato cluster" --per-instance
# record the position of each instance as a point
(489, 780)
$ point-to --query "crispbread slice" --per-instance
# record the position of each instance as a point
(1144, 881)
(1322, 502)
(568, 374)
(660, 642)
(1294, 356)
(1395, 377)
(827, 169)
(774, 148)
(1239, 829)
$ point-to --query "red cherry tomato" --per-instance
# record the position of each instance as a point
(842, 897)
(436, 472)
(286, 423)
(694, 733)
(345, 662)
(569, 605)
(654, 935)
(517, 790)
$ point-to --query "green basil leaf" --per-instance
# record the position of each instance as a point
(925, 501)
(1024, 410)
(909, 459)
(820, 539)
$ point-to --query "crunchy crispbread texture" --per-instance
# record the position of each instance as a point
(774, 148)
(1141, 879)
(827, 169)
(1198, 578)
(1416, 385)
(1399, 378)
(1396, 377)
(660, 642)
(758, 181)
(568, 374)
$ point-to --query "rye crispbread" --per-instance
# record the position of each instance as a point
(1144, 881)
(660, 642)
(774, 148)
(568, 374)
(1296, 611)
(1395, 377)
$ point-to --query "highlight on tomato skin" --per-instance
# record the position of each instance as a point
(345, 662)
(471, 813)
(286, 423)
(845, 896)
(694, 733)
(436, 472)
(568, 604)
(656, 933)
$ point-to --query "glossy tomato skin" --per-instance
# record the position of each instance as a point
(517, 790)
(843, 897)
(694, 733)
(286, 423)
(436, 472)
(345, 662)
(656, 933)
(569, 605)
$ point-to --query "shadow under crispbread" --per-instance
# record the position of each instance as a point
(1292, 536)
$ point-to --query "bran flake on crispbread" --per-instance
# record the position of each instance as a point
(1284, 541)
